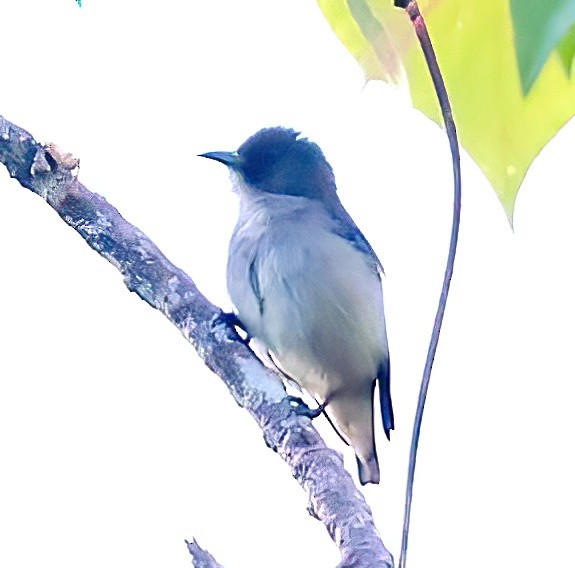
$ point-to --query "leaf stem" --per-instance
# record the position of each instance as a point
(412, 10)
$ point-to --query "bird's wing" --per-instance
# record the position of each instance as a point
(347, 229)
(255, 285)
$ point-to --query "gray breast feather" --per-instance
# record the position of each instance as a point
(314, 299)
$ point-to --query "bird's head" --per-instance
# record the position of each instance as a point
(276, 160)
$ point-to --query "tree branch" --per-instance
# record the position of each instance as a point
(200, 557)
(333, 497)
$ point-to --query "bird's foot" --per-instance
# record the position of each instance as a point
(302, 409)
(232, 320)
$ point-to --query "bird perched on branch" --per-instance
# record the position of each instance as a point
(306, 284)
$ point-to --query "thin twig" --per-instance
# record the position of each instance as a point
(412, 10)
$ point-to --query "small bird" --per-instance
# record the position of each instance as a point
(306, 284)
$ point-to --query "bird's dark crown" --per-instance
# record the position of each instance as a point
(276, 160)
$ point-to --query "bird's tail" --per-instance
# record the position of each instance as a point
(385, 397)
(351, 415)
(368, 469)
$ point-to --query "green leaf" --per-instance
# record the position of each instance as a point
(379, 39)
(500, 128)
(566, 50)
(539, 26)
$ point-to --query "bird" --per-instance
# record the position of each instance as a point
(306, 284)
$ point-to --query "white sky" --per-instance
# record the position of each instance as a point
(117, 443)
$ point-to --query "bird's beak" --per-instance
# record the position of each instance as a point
(230, 159)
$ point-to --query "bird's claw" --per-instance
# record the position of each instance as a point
(232, 320)
(302, 409)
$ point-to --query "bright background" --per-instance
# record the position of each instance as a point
(117, 443)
